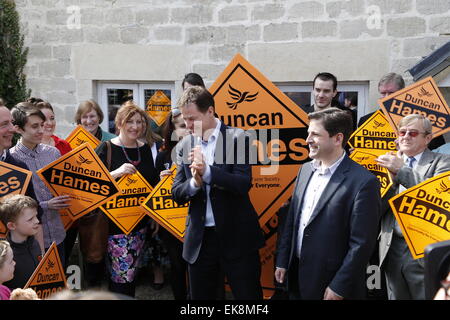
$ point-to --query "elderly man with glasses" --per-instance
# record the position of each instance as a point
(413, 164)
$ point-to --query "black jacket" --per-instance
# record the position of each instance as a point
(27, 256)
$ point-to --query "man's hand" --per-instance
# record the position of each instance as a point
(391, 161)
(198, 165)
(331, 295)
(280, 274)
(198, 160)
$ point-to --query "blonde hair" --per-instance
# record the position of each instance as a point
(11, 207)
(4, 246)
(128, 110)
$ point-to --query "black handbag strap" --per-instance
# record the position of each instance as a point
(108, 155)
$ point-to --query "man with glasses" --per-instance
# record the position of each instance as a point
(413, 164)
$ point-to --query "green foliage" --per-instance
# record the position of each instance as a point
(13, 56)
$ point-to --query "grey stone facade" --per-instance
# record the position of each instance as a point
(74, 43)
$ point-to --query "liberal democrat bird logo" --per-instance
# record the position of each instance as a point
(130, 181)
(377, 124)
(83, 160)
(80, 141)
(424, 92)
(443, 188)
(50, 264)
(239, 97)
(362, 158)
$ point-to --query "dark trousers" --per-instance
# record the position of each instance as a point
(69, 241)
(94, 273)
(243, 274)
(178, 267)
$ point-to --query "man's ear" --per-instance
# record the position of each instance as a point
(11, 226)
(339, 138)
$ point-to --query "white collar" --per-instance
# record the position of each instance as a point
(317, 165)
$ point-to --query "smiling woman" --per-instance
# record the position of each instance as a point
(49, 137)
(129, 154)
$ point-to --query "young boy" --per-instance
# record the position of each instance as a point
(29, 123)
(19, 214)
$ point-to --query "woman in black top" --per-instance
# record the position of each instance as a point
(128, 155)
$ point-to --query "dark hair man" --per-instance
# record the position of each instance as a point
(222, 230)
(330, 230)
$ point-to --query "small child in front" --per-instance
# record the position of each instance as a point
(19, 214)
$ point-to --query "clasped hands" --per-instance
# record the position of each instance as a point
(198, 165)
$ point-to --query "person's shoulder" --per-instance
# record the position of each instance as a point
(45, 148)
(439, 156)
(12, 159)
(107, 135)
(445, 149)
(359, 171)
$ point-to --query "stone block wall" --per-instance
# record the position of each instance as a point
(208, 33)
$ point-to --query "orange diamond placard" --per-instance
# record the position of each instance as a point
(374, 136)
(79, 136)
(367, 160)
(125, 210)
(422, 97)
(158, 107)
(13, 180)
(164, 209)
(49, 276)
(423, 213)
(245, 98)
(83, 176)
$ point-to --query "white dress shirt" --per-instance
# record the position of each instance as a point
(208, 150)
(313, 192)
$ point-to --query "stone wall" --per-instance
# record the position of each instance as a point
(74, 43)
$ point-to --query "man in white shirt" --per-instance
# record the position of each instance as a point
(413, 164)
(222, 228)
(331, 226)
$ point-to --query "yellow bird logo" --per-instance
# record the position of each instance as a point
(239, 97)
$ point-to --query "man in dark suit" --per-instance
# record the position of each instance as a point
(222, 229)
(331, 226)
(413, 164)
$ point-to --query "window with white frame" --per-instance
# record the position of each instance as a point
(111, 95)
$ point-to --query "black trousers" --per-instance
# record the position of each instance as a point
(243, 274)
(178, 267)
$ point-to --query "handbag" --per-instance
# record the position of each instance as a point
(93, 228)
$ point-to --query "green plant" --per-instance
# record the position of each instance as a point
(13, 56)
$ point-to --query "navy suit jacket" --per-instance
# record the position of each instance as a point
(231, 179)
(340, 235)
